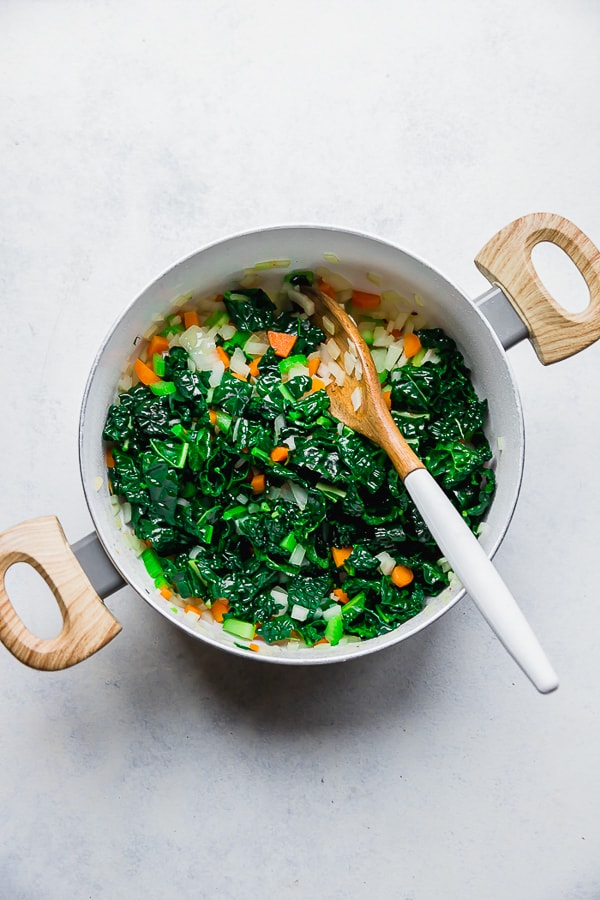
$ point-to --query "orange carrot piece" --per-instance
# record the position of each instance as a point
(212, 415)
(279, 454)
(223, 357)
(322, 640)
(364, 300)
(239, 377)
(258, 483)
(341, 596)
(158, 344)
(253, 366)
(145, 373)
(167, 594)
(191, 317)
(412, 344)
(340, 555)
(281, 342)
(313, 365)
(110, 460)
(327, 289)
(253, 647)
(219, 608)
(387, 396)
(402, 575)
(191, 608)
(317, 385)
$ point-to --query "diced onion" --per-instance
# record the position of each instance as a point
(297, 555)
(254, 346)
(349, 362)
(339, 376)
(332, 612)
(217, 373)
(300, 494)
(328, 325)
(331, 258)
(386, 562)
(500, 444)
(332, 348)
(374, 278)
(238, 364)
(356, 398)
(278, 425)
(299, 613)
(393, 355)
(290, 442)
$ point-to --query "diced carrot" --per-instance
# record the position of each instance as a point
(253, 647)
(158, 344)
(412, 344)
(317, 384)
(322, 640)
(219, 608)
(257, 483)
(387, 396)
(281, 342)
(191, 317)
(191, 608)
(402, 575)
(110, 460)
(145, 373)
(364, 300)
(341, 596)
(313, 365)
(253, 366)
(279, 454)
(212, 415)
(340, 555)
(327, 289)
(239, 377)
(223, 357)
(166, 593)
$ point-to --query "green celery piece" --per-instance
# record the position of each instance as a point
(217, 318)
(224, 421)
(158, 364)
(163, 388)
(418, 357)
(334, 629)
(235, 512)
(285, 365)
(239, 628)
(289, 542)
(152, 563)
(354, 607)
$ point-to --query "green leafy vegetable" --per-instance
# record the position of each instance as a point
(223, 520)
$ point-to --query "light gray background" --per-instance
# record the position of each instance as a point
(131, 134)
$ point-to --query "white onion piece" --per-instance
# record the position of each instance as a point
(356, 398)
(299, 613)
(300, 494)
(333, 349)
(216, 374)
(393, 355)
(332, 612)
(349, 362)
(254, 346)
(381, 338)
(238, 364)
(328, 325)
(297, 555)
(339, 376)
(290, 442)
(386, 562)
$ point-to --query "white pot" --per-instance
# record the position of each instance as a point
(482, 330)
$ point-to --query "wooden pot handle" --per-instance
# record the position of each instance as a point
(87, 624)
(506, 261)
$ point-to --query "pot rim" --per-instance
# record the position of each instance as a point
(354, 650)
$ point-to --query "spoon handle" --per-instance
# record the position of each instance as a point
(480, 579)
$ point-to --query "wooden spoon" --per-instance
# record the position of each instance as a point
(450, 531)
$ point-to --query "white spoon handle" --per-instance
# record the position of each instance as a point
(481, 580)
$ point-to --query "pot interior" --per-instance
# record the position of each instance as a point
(217, 267)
